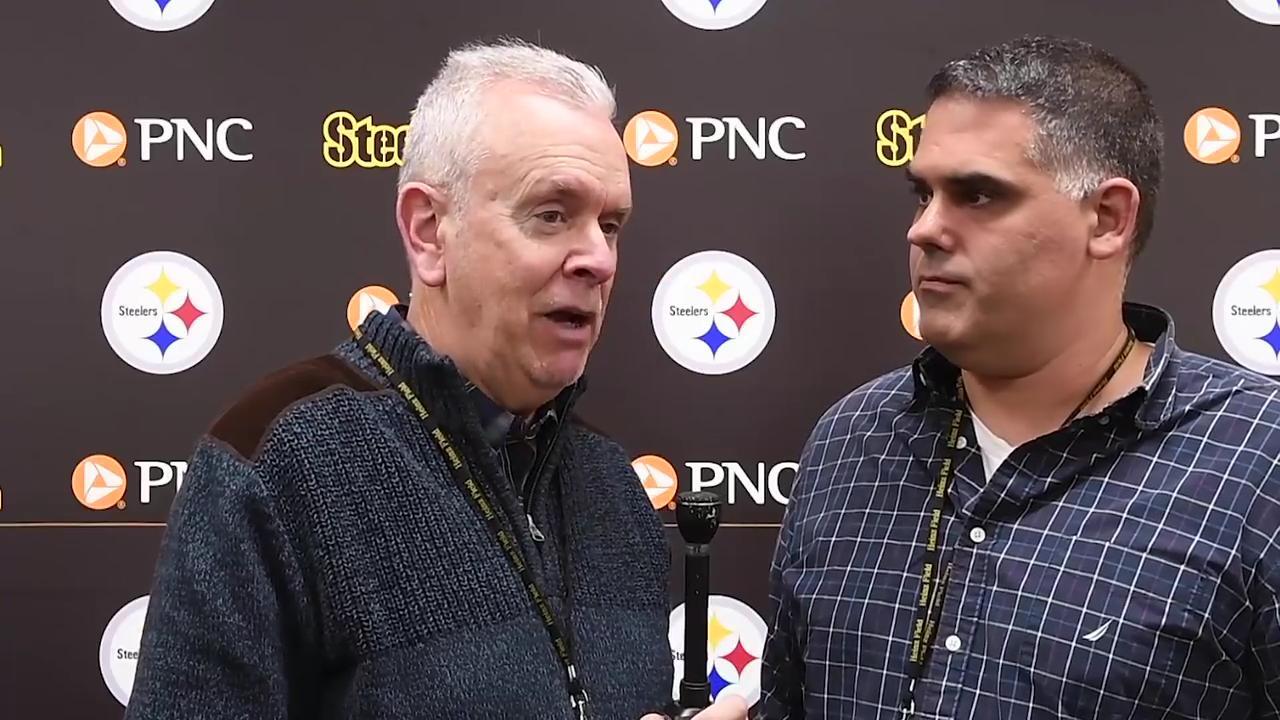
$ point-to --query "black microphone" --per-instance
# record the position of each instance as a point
(698, 516)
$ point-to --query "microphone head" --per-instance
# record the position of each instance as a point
(698, 516)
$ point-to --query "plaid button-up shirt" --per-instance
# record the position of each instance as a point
(1126, 566)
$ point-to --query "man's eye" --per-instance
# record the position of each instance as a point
(551, 216)
(977, 198)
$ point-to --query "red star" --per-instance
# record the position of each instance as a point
(188, 313)
(740, 658)
(740, 313)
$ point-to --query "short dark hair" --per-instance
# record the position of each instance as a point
(1094, 115)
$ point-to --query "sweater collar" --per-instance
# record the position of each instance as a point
(437, 379)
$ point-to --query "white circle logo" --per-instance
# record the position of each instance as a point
(118, 653)
(713, 312)
(1246, 308)
(162, 312)
(1263, 11)
(161, 15)
(735, 646)
(714, 14)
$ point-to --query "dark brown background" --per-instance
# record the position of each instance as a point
(290, 238)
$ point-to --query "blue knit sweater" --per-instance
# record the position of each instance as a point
(320, 562)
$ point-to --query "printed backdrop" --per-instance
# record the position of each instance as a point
(195, 192)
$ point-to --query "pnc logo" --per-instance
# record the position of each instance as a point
(897, 134)
(366, 300)
(735, 645)
(162, 312)
(99, 482)
(99, 138)
(714, 14)
(1266, 12)
(659, 480)
(910, 313)
(762, 484)
(161, 15)
(1246, 312)
(651, 138)
(1213, 135)
(349, 141)
(713, 312)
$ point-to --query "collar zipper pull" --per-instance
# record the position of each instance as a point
(534, 531)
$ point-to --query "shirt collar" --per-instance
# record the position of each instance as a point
(497, 423)
(1150, 404)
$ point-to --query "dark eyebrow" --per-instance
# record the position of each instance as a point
(967, 180)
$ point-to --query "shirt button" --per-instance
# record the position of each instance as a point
(1104, 420)
(978, 535)
(953, 643)
(962, 443)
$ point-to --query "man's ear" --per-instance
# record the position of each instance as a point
(1115, 208)
(421, 210)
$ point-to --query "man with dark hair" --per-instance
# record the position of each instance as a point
(1055, 511)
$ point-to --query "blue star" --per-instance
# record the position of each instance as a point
(715, 4)
(717, 683)
(163, 338)
(714, 338)
(1273, 339)
(163, 4)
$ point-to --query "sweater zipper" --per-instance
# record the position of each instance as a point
(534, 531)
(536, 479)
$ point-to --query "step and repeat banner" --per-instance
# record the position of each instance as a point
(196, 192)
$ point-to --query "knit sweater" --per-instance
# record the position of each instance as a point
(320, 561)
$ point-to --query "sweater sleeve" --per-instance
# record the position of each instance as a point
(228, 632)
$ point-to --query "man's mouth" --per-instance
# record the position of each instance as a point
(571, 317)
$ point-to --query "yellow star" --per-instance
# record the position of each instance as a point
(716, 633)
(163, 287)
(714, 287)
(1272, 286)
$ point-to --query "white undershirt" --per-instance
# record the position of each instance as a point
(994, 449)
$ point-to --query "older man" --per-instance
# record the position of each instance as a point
(1055, 512)
(414, 525)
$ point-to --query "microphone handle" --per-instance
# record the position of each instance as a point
(695, 692)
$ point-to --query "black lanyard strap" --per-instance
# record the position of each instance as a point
(933, 581)
(493, 518)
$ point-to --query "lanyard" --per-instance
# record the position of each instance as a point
(933, 583)
(487, 509)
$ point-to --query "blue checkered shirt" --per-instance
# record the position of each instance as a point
(1126, 566)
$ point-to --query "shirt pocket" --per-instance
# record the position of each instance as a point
(1115, 632)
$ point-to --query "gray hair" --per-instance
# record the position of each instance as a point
(441, 146)
(1095, 118)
